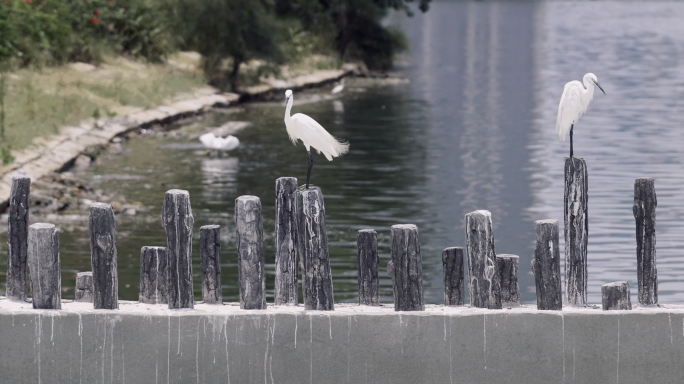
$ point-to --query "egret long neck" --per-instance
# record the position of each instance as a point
(288, 118)
(589, 92)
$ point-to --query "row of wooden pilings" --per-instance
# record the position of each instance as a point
(166, 272)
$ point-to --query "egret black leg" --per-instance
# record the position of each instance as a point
(308, 172)
(571, 127)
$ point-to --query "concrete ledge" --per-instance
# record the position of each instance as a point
(146, 343)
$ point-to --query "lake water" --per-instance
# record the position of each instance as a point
(472, 129)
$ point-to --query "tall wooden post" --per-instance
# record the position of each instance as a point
(17, 238)
(154, 286)
(250, 246)
(178, 221)
(313, 247)
(615, 296)
(483, 280)
(367, 253)
(644, 210)
(287, 258)
(454, 290)
(406, 268)
(84, 287)
(44, 266)
(508, 266)
(103, 256)
(210, 246)
(546, 266)
(576, 231)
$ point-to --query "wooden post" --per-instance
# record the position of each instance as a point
(44, 266)
(406, 268)
(576, 231)
(313, 247)
(454, 290)
(17, 238)
(178, 221)
(250, 246)
(508, 266)
(103, 256)
(210, 250)
(287, 258)
(368, 261)
(483, 280)
(84, 287)
(616, 296)
(154, 287)
(644, 210)
(546, 266)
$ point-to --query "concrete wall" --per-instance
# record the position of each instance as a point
(223, 344)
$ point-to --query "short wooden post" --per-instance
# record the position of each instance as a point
(576, 231)
(250, 246)
(103, 256)
(508, 266)
(368, 261)
(546, 266)
(406, 268)
(44, 266)
(484, 281)
(210, 246)
(644, 210)
(454, 290)
(178, 221)
(84, 287)
(287, 258)
(615, 296)
(17, 238)
(313, 247)
(154, 288)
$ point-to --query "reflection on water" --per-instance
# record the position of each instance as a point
(474, 129)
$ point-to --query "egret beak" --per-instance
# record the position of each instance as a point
(598, 85)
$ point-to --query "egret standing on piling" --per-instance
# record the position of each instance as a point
(573, 104)
(304, 128)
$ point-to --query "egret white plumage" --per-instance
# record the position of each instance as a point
(211, 141)
(304, 128)
(338, 88)
(574, 104)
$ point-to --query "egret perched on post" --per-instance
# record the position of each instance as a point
(573, 104)
(304, 128)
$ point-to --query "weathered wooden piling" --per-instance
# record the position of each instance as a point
(454, 289)
(44, 266)
(615, 296)
(154, 287)
(406, 268)
(17, 238)
(644, 210)
(287, 258)
(84, 287)
(210, 246)
(368, 260)
(103, 256)
(508, 266)
(178, 221)
(546, 266)
(313, 249)
(576, 231)
(250, 246)
(484, 281)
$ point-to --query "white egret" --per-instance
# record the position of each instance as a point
(211, 141)
(573, 104)
(304, 128)
(338, 88)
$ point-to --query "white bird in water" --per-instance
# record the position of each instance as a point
(304, 128)
(573, 104)
(338, 88)
(210, 141)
